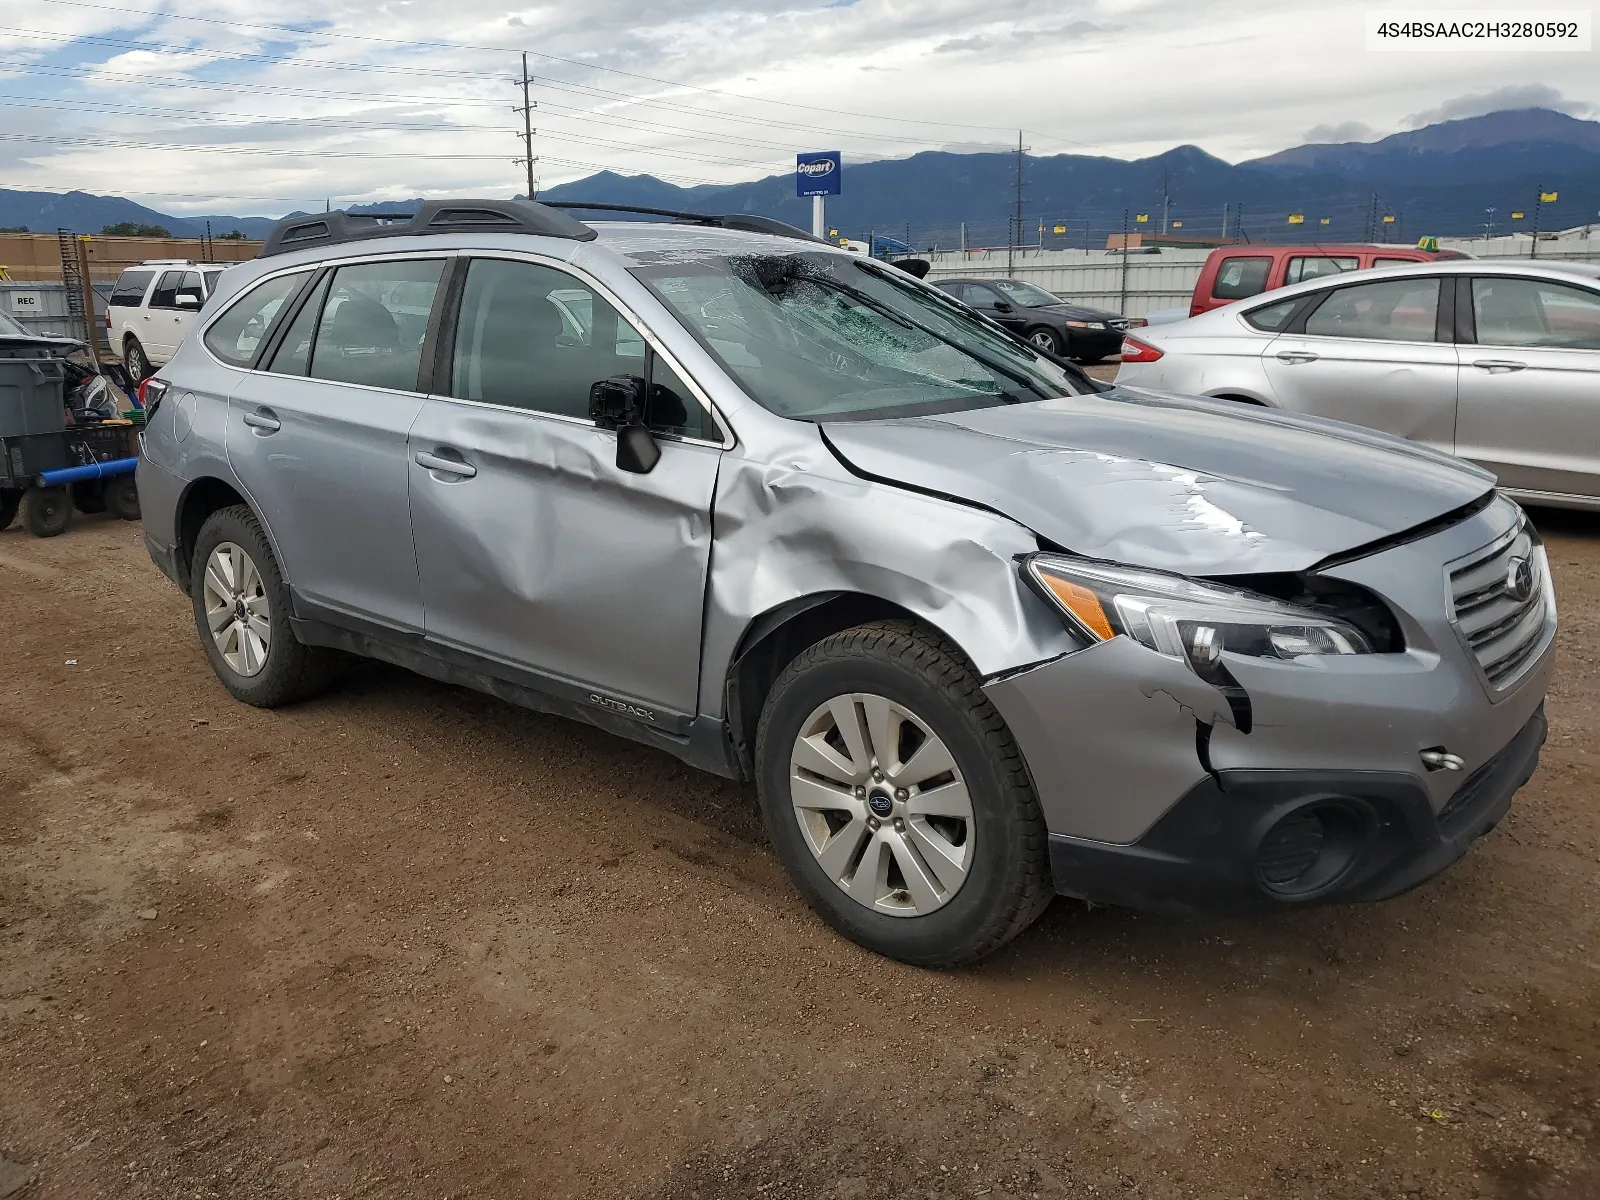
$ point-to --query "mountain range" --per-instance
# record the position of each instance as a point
(1440, 179)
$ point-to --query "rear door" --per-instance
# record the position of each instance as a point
(1530, 383)
(1378, 354)
(536, 551)
(319, 440)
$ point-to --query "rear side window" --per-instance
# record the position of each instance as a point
(212, 278)
(1241, 278)
(1305, 266)
(130, 289)
(1530, 312)
(1401, 310)
(236, 335)
(373, 323)
(166, 293)
(1394, 262)
(1273, 317)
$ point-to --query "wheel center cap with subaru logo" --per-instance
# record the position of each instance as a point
(881, 803)
(1519, 579)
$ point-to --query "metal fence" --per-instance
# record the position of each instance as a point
(1140, 283)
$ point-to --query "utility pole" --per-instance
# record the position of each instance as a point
(1165, 198)
(1488, 226)
(527, 123)
(1224, 220)
(1538, 203)
(1011, 242)
(1123, 306)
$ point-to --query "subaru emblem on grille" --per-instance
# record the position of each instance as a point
(1519, 579)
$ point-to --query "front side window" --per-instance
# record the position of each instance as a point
(1305, 266)
(236, 335)
(1240, 278)
(815, 336)
(166, 293)
(1025, 295)
(1531, 313)
(372, 323)
(130, 287)
(189, 293)
(530, 336)
(1400, 310)
(981, 297)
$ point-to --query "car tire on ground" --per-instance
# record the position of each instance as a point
(46, 511)
(135, 361)
(1046, 339)
(897, 799)
(241, 607)
(88, 495)
(10, 498)
(121, 497)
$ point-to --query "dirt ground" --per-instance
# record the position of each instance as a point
(407, 941)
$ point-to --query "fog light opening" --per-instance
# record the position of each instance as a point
(1311, 848)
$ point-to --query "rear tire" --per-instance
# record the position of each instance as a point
(10, 498)
(136, 361)
(241, 611)
(46, 511)
(122, 497)
(974, 873)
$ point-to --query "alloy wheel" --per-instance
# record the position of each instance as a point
(1044, 339)
(882, 805)
(237, 611)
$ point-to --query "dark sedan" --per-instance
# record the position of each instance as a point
(1085, 335)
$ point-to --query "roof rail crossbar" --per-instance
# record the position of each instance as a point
(432, 216)
(747, 222)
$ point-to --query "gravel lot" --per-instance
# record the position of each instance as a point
(408, 941)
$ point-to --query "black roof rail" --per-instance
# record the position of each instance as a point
(747, 222)
(432, 216)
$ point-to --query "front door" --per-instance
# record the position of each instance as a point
(319, 441)
(157, 327)
(535, 550)
(1371, 354)
(1530, 385)
(996, 307)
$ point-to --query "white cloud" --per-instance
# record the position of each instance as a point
(1344, 131)
(1512, 96)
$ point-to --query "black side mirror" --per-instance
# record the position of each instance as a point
(1003, 306)
(618, 403)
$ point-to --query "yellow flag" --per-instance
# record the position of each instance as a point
(1297, 218)
(1516, 216)
(1142, 218)
(1388, 218)
(833, 233)
(1059, 229)
(1177, 224)
(1428, 243)
(1549, 197)
(1325, 221)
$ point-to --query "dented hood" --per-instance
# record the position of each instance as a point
(1200, 487)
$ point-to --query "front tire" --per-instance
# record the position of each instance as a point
(1047, 340)
(897, 799)
(46, 511)
(241, 611)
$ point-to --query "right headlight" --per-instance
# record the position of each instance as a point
(1185, 618)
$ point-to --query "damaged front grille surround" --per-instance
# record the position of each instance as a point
(1500, 605)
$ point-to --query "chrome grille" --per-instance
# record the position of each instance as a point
(1504, 629)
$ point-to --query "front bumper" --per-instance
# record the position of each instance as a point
(1217, 851)
(1154, 796)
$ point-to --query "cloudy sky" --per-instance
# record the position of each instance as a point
(251, 108)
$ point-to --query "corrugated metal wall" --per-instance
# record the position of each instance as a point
(1133, 285)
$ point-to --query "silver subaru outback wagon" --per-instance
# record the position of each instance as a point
(979, 629)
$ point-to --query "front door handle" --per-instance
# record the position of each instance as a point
(446, 466)
(1290, 357)
(1499, 366)
(263, 420)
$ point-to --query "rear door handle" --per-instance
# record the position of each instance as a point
(263, 420)
(1297, 356)
(1499, 366)
(446, 466)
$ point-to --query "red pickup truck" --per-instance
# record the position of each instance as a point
(1239, 272)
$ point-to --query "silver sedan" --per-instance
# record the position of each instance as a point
(1498, 362)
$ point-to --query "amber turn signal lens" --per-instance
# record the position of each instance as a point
(1081, 603)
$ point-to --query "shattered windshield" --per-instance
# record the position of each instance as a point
(816, 336)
